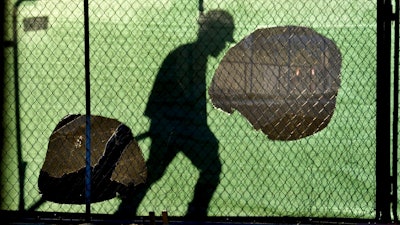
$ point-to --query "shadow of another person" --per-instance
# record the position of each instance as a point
(177, 109)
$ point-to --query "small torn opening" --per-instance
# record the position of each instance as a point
(117, 163)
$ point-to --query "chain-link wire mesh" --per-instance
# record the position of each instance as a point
(151, 67)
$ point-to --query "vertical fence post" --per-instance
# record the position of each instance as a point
(21, 169)
(383, 179)
(21, 162)
(395, 109)
(87, 97)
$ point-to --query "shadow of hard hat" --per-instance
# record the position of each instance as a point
(218, 20)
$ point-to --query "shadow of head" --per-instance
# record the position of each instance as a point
(216, 28)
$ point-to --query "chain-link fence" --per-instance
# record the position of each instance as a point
(248, 108)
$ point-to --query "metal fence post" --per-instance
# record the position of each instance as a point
(383, 179)
(87, 96)
(395, 109)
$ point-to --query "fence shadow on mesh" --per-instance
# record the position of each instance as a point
(249, 109)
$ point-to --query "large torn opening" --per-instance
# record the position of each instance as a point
(284, 80)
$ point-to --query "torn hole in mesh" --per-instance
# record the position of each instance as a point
(284, 80)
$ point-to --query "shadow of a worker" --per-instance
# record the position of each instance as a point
(177, 109)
